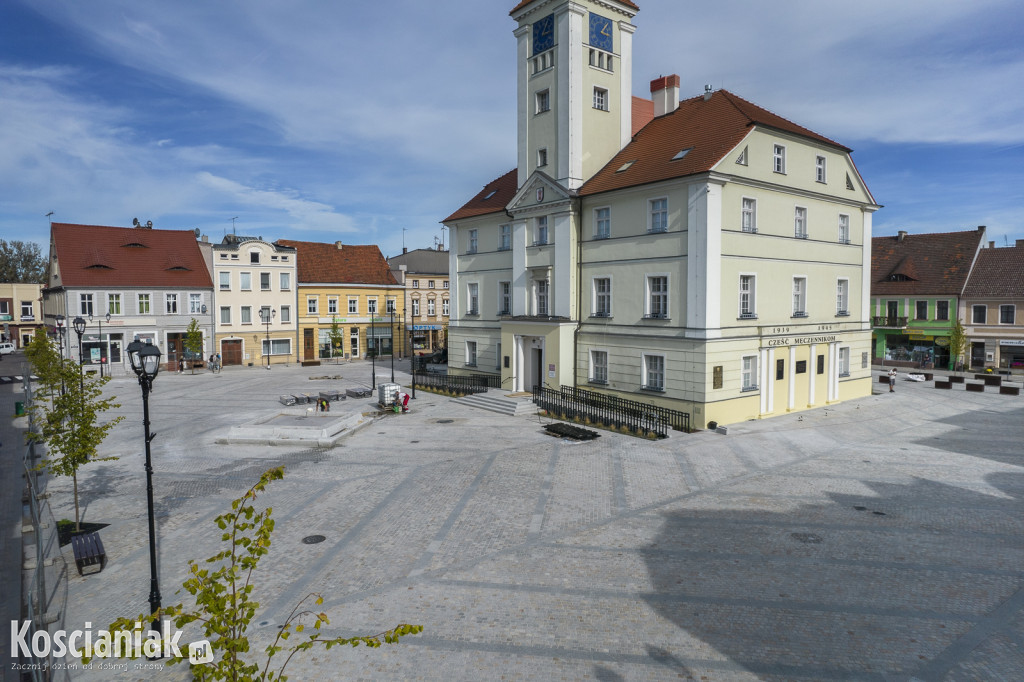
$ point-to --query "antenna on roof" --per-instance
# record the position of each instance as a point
(233, 226)
(48, 216)
(403, 240)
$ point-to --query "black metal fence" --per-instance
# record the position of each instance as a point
(461, 385)
(611, 411)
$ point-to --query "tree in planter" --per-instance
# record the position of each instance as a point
(193, 342)
(335, 336)
(957, 344)
(68, 424)
(225, 607)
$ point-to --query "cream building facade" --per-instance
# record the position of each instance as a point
(704, 254)
(20, 311)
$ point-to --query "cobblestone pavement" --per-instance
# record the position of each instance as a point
(879, 539)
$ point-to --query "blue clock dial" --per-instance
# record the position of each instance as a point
(544, 34)
(601, 32)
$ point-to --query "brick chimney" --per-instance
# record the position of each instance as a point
(665, 93)
(901, 235)
(338, 245)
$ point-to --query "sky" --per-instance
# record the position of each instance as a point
(372, 122)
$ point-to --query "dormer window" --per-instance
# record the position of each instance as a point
(254, 256)
(543, 101)
(682, 154)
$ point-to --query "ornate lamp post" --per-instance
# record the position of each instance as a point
(373, 353)
(391, 324)
(60, 332)
(79, 324)
(145, 361)
(267, 314)
(100, 323)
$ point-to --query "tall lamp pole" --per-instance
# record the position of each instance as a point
(79, 324)
(100, 323)
(373, 353)
(145, 361)
(267, 314)
(60, 331)
(391, 325)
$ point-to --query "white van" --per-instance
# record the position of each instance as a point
(6, 348)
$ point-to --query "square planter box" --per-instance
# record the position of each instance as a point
(956, 380)
(943, 384)
(1009, 390)
(993, 380)
(976, 388)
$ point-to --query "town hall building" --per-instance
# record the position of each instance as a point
(704, 254)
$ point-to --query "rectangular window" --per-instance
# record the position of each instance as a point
(264, 281)
(844, 228)
(748, 288)
(844, 361)
(445, 284)
(245, 281)
(430, 284)
(415, 284)
(542, 157)
(657, 297)
(254, 256)
(821, 364)
(312, 305)
(748, 375)
(504, 298)
(819, 169)
(444, 306)
(332, 305)
(749, 218)
(286, 314)
(942, 310)
(542, 297)
(800, 222)
(779, 158)
(470, 353)
(415, 307)
(225, 281)
(27, 314)
(286, 281)
(195, 304)
(1007, 313)
(225, 314)
(144, 304)
(780, 369)
(543, 101)
(599, 366)
(113, 305)
(171, 304)
(505, 240)
(920, 310)
(371, 306)
(842, 296)
(472, 241)
(431, 307)
(389, 305)
(277, 346)
(542, 231)
(602, 297)
(799, 297)
(978, 314)
(85, 304)
(654, 373)
(473, 299)
(601, 99)
(353, 306)
(659, 215)
(246, 314)
(602, 222)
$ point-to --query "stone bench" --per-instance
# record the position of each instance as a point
(943, 384)
(956, 380)
(88, 549)
(993, 380)
(975, 387)
(1009, 390)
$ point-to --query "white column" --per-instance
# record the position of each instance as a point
(791, 400)
(762, 377)
(812, 374)
(568, 67)
(520, 275)
(832, 372)
(453, 269)
(517, 364)
(625, 71)
(704, 260)
(865, 279)
(524, 111)
(771, 380)
(562, 272)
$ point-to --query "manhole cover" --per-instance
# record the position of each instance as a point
(445, 421)
(313, 539)
(414, 441)
(806, 538)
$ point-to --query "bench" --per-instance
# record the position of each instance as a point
(943, 384)
(359, 392)
(993, 381)
(1009, 390)
(956, 380)
(975, 387)
(88, 549)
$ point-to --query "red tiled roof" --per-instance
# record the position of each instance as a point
(998, 273)
(494, 197)
(524, 3)
(710, 128)
(933, 264)
(643, 113)
(351, 264)
(100, 256)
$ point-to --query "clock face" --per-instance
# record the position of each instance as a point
(601, 32)
(544, 34)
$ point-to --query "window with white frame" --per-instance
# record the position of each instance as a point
(799, 297)
(371, 306)
(473, 298)
(979, 314)
(800, 222)
(504, 298)
(353, 306)
(415, 284)
(445, 284)
(819, 169)
(431, 307)
(225, 314)
(246, 317)
(472, 242)
(543, 101)
(312, 305)
(542, 230)
(332, 305)
(602, 297)
(599, 366)
(779, 158)
(542, 296)
(389, 305)
(415, 307)
(748, 373)
(602, 222)
(286, 314)
(601, 99)
(264, 281)
(245, 281)
(748, 290)
(254, 256)
(144, 307)
(195, 304)
(942, 310)
(430, 284)
(844, 361)
(85, 304)
(658, 215)
(542, 157)
(470, 353)
(444, 305)
(113, 305)
(225, 281)
(277, 346)
(505, 238)
(286, 281)
(842, 297)
(657, 297)
(920, 310)
(748, 220)
(654, 372)
(1007, 313)
(171, 304)
(844, 228)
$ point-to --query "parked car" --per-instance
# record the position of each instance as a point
(6, 348)
(439, 356)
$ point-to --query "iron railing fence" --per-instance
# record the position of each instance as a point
(610, 411)
(678, 420)
(462, 385)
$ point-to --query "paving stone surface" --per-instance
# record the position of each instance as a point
(880, 539)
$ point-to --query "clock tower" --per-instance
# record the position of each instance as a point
(574, 86)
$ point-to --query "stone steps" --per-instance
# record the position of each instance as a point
(496, 401)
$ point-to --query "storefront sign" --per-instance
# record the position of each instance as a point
(551, 371)
(1011, 342)
(942, 341)
(921, 337)
(425, 327)
(6, 318)
(800, 340)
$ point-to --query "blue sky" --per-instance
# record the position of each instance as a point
(325, 120)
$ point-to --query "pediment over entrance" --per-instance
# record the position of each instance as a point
(539, 194)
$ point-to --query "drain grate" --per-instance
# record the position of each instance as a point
(806, 538)
(445, 421)
(313, 539)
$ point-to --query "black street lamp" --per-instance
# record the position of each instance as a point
(373, 353)
(79, 325)
(145, 361)
(391, 328)
(60, 332)
(267, 314)
(100, 323)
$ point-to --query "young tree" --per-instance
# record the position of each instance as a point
(21, 262)
(69, 423)
(957, 344)
(335, 336)
(225, 607)
(193, 342)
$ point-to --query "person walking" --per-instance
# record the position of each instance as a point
(892, 380)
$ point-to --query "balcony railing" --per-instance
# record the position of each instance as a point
(889, 322)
